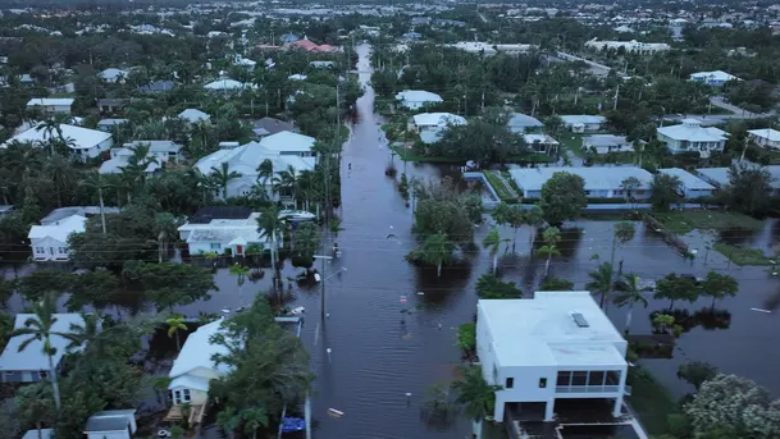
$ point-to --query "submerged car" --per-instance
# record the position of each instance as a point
(296, 215)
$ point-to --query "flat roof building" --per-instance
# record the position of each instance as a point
(600, 182)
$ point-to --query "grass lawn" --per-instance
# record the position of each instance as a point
(686, 221)
(741, 255)
(409, 156)
(572, 142)
(504, 193)
(650, 401)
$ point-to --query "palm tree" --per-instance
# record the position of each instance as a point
(287, 181)
(308, 186)
(534, 217)
(254, 418)
(271, 227)
(54, 125)
(265, 171)
(39, 328)
(175, 323)
(475, 395)
(96, 180)
(82, 334)
(222, 176)
(436, 250)
(629, 292)
(166, 229)
(601, 281)
(335, 227)
(241, 272)
(228, 420)
(493, 242)
(60, 171)
(551, 237)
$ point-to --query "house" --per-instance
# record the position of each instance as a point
(111, 424)
(51, 105)
(720, 177)
(45, 433)
(195, 367)
(268, 126)
(417, 99)
(227, 85)
(606, 143)
(297, 77)
(765, 137)
(309, 46)
(283, 149)
(156, 87)
(289, 38)
(49, 242)
(691, 136)
(85, 143)
(106, 125)
(600, 182)
(61, 213)
(520, 123)
(31, 364)
(436, 121)
(163, 151)
(558, 345)
(322, 64)
(541, 143)
(112, 105)
(718, 78)
(692, 187)
(194, 116)
(114, 76)
(212, 230)
(412, 36)
(632, 46)
(582, 123)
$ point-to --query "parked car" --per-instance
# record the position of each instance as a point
(296, 215)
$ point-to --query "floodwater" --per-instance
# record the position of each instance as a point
(368, 354)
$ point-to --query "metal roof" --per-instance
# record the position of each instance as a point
(205, 215)
(32, 357)
(109, 420)
(596, 178)
(688, 180)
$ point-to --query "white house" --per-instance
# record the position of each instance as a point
(86, 144)
(52, 105)
(297, 77)
(46, 433)
(436, 121)
(716, 78)
(632, 46)
(163, 151)
(692, 187)
(111, 424)
(194, 116)
(580, 123)
(765, 137)
(50, 242)
(227, 85)
(220, 235)
(606, 143)
(520, 123)
(541, 143)
(194, 368)
(283, 149)
(558, 345)
(113, 76)
(691, 136)
(600, 182)
(417, 99)
(31, 364)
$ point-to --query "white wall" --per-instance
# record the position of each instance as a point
(197, 397)
(52, 249)
(108, 435)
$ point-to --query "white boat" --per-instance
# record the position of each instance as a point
(296, 215)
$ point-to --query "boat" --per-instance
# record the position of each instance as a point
(296, 215)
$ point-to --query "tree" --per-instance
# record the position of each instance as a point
(96, 180)
(176, 323)
(166, 229)
(272, 228)
(254, 418)
(556, 284)
(475, 395)
(491, 287)
(629, 185)
(493, 242)
(563, 197)
(665, 190)
(40, 328)
(673, 287)
(623, 232)
(467, 339)
(241, 272)
(442, 209)
(534, 217)
(307, 242)
(437, 250)
(34, 405)
(601, 281)
(719, 286)
(697, 373)
(750, 189)
(514, 216)
(734, 404)
(551, 237)
(170, 284)
(222, 177)
(629, 292)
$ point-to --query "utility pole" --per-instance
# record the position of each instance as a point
(322, 258)
(617, 93)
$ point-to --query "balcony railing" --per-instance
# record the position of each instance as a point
(587, 389)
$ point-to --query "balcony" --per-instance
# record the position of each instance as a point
(587, 389)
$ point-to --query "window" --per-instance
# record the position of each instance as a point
(216, 246)
(510, 383)
(9, 373)
(40, 250)
(62, 250)
(579, 378)
(596, 378)
(177, 397)
(42, 374)
(564, 379)
(186, 395)
(613, 378)
(542, 383)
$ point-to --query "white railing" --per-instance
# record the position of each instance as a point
(587, 389)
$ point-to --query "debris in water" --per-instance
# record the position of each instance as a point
(761, 310)
(335, 413)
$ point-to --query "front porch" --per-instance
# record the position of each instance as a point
(195, 416)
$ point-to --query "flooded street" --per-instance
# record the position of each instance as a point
(368, 354)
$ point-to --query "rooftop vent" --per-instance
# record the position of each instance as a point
(579, 319)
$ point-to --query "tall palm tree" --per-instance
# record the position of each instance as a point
(62, 174)
(96, 180)
(534, 217)
(40, 328)
(437, 250)
(265, 171)
(601, 281)
(175, 323)
(551, 237)
(254, 418)
(166, 230)
(53, 125)
(83, 334)
(475, 395)
(493, 242)
(629, 292)
(286, 181)
(222, 176)
(271, 227)
(307, 187)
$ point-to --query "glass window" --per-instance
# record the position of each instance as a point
(579, 378)
(510, 383)
(542, 383)
(186, 397)
(564, 379)
(596, 378)
(216, 246)
(613, 377)
(43, 374)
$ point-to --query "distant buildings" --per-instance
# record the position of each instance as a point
(193, 116)
(541, 143)
(583, 122)
(431, 126)
(632, 46)
(417, 99)
(606, 143)
(691, 136)
(113, 76)
(717, 78)
(227, 85)
(520, 123)
(599, 182)
(765, 137)
(52, 105)
(491, 49)
(309, 46)
(83, 143)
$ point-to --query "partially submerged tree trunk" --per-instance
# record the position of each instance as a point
(629, 316)
(54, 384)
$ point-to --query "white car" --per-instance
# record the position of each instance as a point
(296, 215)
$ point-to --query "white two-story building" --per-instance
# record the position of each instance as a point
(559, 345)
